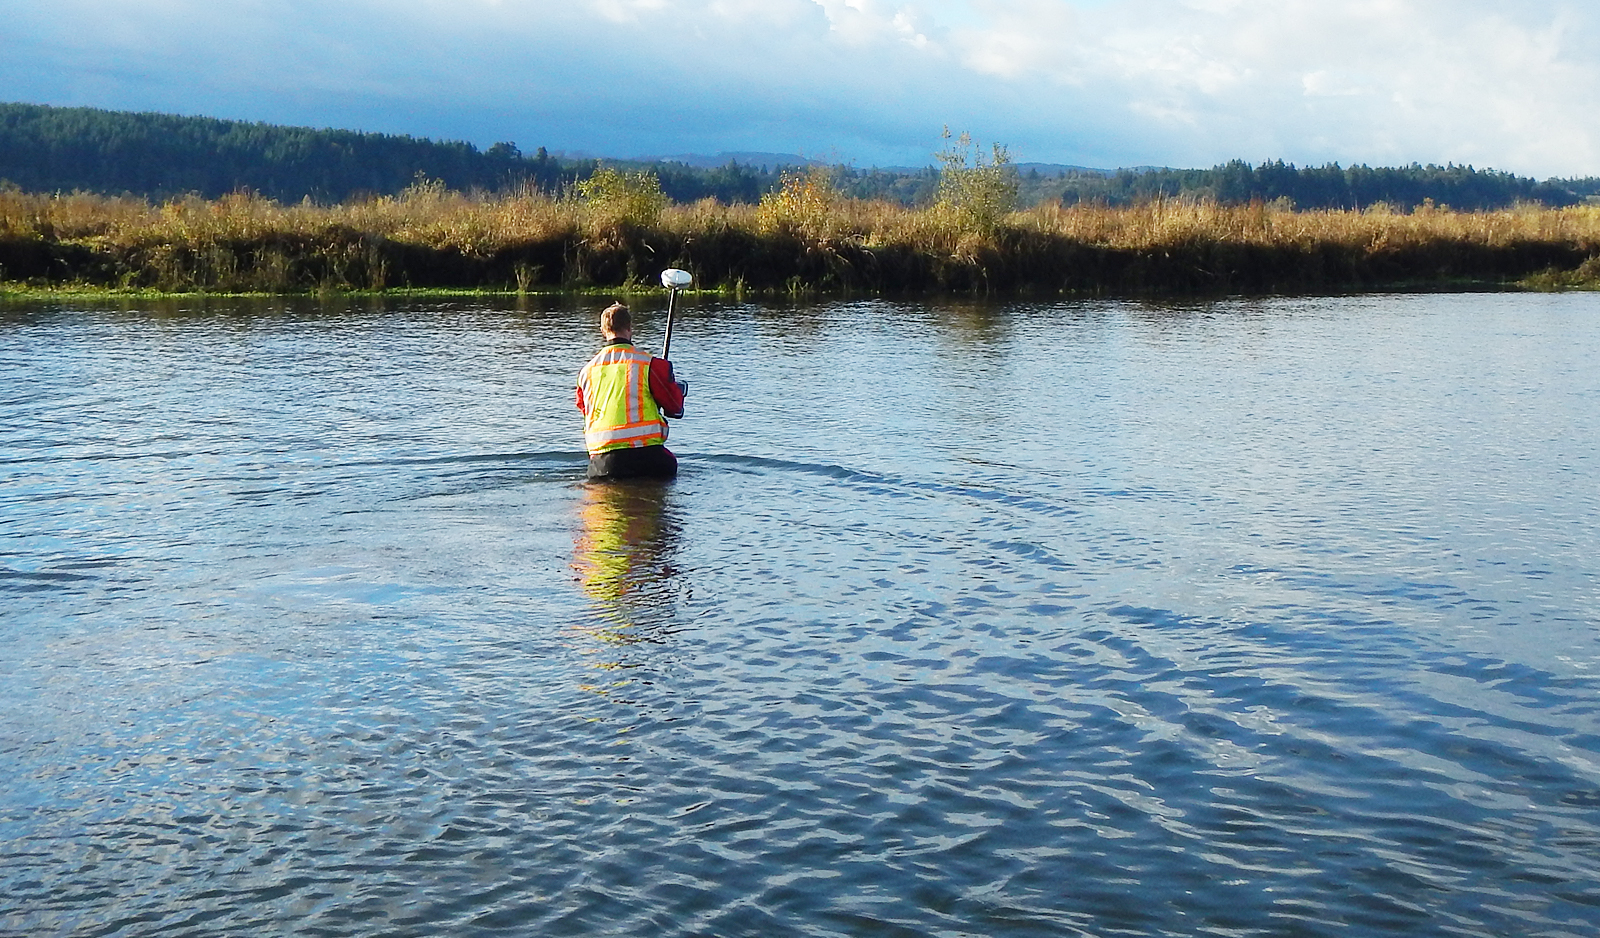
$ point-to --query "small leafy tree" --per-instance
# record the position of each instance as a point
(423, 189)
(977, 192)
(804, 203)
(617, 197)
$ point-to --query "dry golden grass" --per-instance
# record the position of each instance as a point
(1172, 222)
(803, 234)
(436, 217)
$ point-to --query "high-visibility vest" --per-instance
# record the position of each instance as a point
(619, 410)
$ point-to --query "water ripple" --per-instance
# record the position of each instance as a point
(312, 626)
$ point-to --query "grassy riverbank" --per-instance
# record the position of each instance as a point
(801, 239)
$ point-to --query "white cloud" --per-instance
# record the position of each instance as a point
(1106, 82)
(1370, 80)
(626, 11)
(1042, 38)
(1333, 83)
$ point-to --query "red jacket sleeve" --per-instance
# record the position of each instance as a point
(664, 389)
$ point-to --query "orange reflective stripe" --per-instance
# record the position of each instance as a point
(635, 393)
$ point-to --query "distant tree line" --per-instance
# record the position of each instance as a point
(1329, 187)
(54, 149)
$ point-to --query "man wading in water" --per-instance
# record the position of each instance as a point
(625, 396)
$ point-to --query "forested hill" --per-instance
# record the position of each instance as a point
(57, 149)
(54, 149)
(63, 149)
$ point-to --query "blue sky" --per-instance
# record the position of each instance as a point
(1507, 84)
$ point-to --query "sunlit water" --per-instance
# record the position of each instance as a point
(1249, 618)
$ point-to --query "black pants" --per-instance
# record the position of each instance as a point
(639, 462)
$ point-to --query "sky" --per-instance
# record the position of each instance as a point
(1511, 85)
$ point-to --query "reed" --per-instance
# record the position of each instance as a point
(803, 237)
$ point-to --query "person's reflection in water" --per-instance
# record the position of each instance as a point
(623, 559)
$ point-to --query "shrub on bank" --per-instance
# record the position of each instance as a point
(978, 193)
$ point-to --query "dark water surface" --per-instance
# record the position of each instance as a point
(1249, 618)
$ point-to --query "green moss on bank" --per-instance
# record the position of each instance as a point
(1585, 276)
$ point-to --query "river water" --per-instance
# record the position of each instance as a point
(1245, 618)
